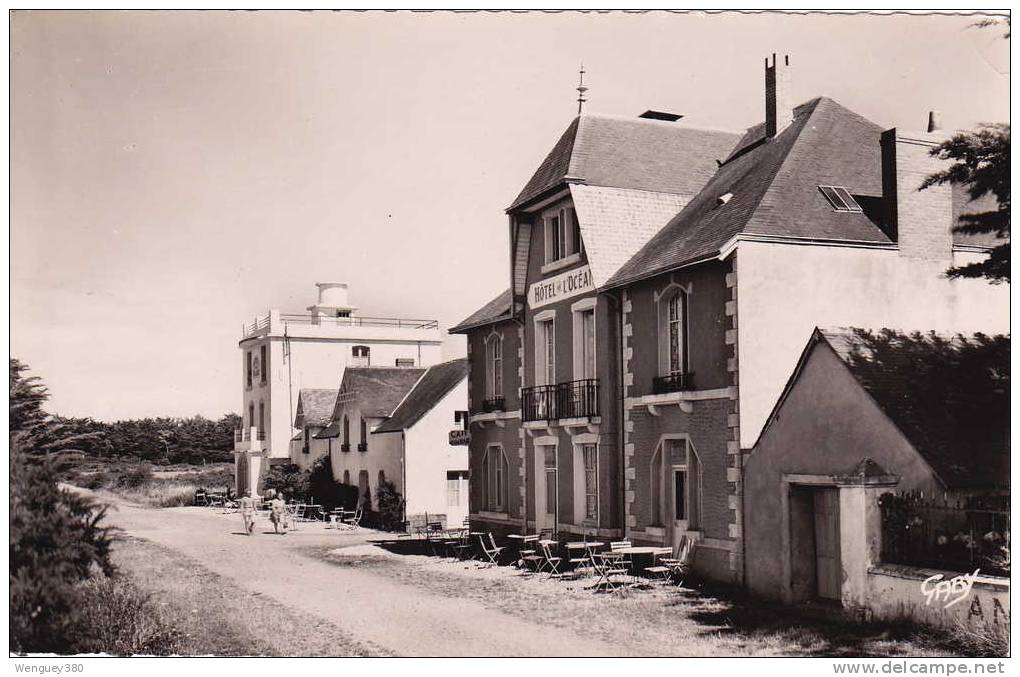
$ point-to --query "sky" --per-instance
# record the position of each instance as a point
(174, 174)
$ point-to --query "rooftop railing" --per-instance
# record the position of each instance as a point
(264, 322)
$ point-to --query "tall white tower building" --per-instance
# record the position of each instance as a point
(281, 353)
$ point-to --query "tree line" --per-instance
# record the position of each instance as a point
(194, 439)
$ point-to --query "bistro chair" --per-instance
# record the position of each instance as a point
(491, 551)
(550, 563)
(529, 559)
(678, 566)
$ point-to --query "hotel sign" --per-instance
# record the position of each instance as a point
(561, 287)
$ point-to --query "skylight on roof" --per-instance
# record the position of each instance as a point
(840, 199)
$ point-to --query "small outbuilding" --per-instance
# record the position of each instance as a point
(885, 459)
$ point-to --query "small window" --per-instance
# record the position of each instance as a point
(454, 478)
(347, 430)
(405, 362)
(562, 234)
(263, 364)
(591, 481)
(460, 418)
(347, 477)
(495, 366)
(840, 199)
(495, 484)
(248, 368)
(361, 356)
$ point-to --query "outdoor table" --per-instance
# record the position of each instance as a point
(642, 550)
(588, 549)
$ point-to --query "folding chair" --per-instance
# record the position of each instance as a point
(620, 545)
(680, 565)
(491, 551)
(549, 562)
(529, 559)
(606, 567)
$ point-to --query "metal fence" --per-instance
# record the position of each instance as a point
(575, 399)
(957, 533)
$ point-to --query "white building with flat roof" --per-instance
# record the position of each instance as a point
(281, 353)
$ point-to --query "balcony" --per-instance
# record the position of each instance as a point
(493, 404)
(249, 439)
(575, 399)
(362, 446)
(673, 383)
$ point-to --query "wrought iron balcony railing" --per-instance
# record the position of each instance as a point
(575, 399)
(493, 404)
(673, 383)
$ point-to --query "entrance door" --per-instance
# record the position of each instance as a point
(827, 563)
(680, 504)
(547, 489)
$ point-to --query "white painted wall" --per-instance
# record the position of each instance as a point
(383, 453)
(429, 456)
(785, 291)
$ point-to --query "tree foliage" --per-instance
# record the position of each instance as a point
(56, 537)
(980, 161)
(290, 480)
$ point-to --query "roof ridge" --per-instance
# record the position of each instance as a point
(409, 391)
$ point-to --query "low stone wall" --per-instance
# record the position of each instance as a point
(895, 592)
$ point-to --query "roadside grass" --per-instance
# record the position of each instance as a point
(657, 620)
(139, 484)
(217, 617)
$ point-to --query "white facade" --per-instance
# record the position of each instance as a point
(289, 352)
(785, 291)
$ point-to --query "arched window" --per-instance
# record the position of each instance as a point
(363, 444)
(674, 341)
(495, 479)
(262, 416)
(364, 495)
(347, 476)
(494, 366)
(675, 475)
(251, 414)
(347, 432)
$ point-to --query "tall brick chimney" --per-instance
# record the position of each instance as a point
(778, 96)
(920, 221)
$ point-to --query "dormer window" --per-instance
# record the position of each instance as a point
(360, 356)
(840, 199)
(562, 234)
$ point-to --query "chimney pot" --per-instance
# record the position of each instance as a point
(934, 121)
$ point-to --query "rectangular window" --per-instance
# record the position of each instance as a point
(405, 362)
(591, 481)
(677, 309)
(549, 352)
(453, 478)
(550, 479)
(495, 480)
(563, 234)
(263, 364)
(461, 418)
(247, 356)
(588, 344)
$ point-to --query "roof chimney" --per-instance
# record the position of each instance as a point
(778, 97)
(920, 221)
(934, 121)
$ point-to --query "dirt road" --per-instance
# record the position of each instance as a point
(370, 606)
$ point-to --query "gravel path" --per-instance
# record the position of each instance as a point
(369, 605)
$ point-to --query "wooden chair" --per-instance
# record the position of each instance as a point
(620, 545)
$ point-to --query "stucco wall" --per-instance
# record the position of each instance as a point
(428, 456)
(478, 377)
(383, 454)
(826, 425)
(785, 291)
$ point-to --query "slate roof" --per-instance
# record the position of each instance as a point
(315, 406)
(495, 310)
(375, 390)
(948, 395)
(635, 153)
(332, 430)
(439, 380)
(774, 187)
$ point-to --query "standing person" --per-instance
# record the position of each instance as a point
(278, 514)
(247, 509)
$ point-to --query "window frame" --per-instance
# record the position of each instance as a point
(664, 301)
(661, 484)
(562, 234)
(263, 362)
(581, 310)
(495, 482)
(494, 365)
(545, 332)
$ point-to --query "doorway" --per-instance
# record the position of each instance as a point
(815, 566)
(547, 487)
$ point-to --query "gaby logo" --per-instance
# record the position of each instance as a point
(950, 591)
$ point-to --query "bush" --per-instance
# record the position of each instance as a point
(55, 543)
(391, 507)
(135, 476)
(289, 480)
(326, 491)
(116, 617)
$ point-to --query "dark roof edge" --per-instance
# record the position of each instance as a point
(816, 336)
(464, 328)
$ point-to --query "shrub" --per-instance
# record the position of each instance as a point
(55, 543)
(136, 476)
(391, 506)
(326, 491)
(290, 480)
(116, 617)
